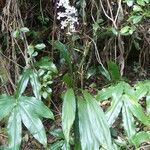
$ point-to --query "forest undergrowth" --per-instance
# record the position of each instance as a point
(75, 75)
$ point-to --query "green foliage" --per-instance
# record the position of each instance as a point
(61, 141)
(140, 138)
(114, 71)
(68, 112)
(94, 130)
(46, 71)
(27, 110)
(106, 35)
(125, 98)
(18, 33)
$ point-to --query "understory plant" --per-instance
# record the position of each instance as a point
(83, 115)
(23, 107)
(26, 110)
(93, 37)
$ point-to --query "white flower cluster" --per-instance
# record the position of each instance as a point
(69, 17)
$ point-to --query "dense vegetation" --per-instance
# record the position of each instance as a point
(74, 74)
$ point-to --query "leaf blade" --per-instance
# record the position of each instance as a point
(14, 128)
(23, 83)
(96, 113)
(33, 123)
(68, 112)
(6, 105)
(128, 120)
(35, 85)
(37, 107)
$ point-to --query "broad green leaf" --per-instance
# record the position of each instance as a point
(68, 112)
(120, 142)
(100, 126)
(114, 71)
(44, 94)
(6, 105)
(58, 133)
(87, 137)
(4, 147)
(14, 128)
(30, 50)
(140, 138)
(137, 8)
(140, 90)
(68, 80)
(36, 86)
(141, 2)
(37, 107)
(56, 146)
(63, 52)
(105, 93)
(104, 72)
(24, 29)
(23, 83)
(40, 46)
(63, 49)
(125, 30)
(130, 92)
(130, 2)
(46, 63)
(136, 19)
(34, 54)
(137, 110)
(65, 146)
(115, 108)
(33, 123)
(128, 120)
(91, 72)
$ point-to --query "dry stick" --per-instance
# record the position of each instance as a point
(120, 45)
(121, 48)
(54, 28)
(96, 52)
(6, 20)
(113, 21)
(25, 40)
(110, 10)
(11, 60)
(93, 2)
(8, 76)
(118, 10)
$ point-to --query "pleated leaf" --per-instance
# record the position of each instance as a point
(23, 82)
(98, 121)
(14, 128)
(68, 112)
(33, 123)
(105, 93)
(128, 120)
(36, 86)
(137, 110)
(6, 105)
(114, 71)
(140, 90)
(87, 137)
(37, 107)
(140, 138)
(115, 108)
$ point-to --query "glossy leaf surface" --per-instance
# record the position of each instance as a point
(68, 112)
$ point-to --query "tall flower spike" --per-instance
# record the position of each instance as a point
(68, 18)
